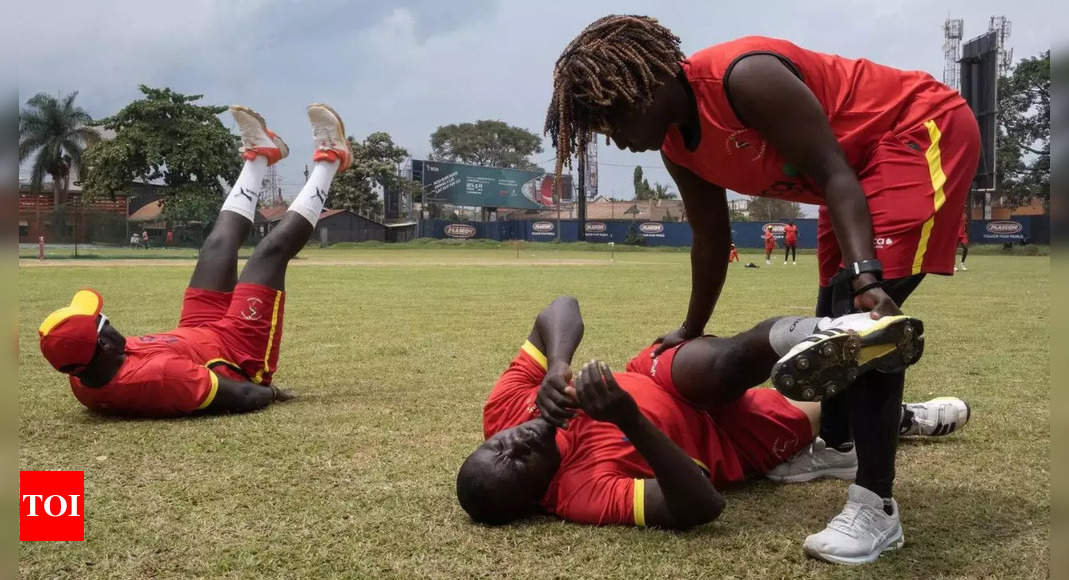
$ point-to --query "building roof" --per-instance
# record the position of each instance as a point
(271, 214)
(149, 212)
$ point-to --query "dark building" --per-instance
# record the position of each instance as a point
(342, 225)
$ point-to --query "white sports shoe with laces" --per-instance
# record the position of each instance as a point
(860, 533)
(329, 132)
(940, 416)
(256, 138)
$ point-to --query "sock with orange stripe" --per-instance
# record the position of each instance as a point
(246, 191)
(309, 202)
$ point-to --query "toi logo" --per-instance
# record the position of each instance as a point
(51, 506)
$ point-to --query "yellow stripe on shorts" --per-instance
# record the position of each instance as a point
(939, 179)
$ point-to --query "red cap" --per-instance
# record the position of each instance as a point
(69, 335)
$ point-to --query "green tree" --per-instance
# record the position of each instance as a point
(165, 137)
(642, 185)
(375, 164)
(487, 143)
(1024, 131)
(57, 133)
(765, 209)
(643, 190)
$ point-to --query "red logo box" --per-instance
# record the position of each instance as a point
(51, 506)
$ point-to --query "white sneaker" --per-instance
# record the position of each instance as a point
(768, 261)
(795, 263)
(785, 262)
(860, 533)
(829, 360)
(940, 416)
(816, 461)
(963, 268)
(256, 138)
(329, 133)
(955, 268)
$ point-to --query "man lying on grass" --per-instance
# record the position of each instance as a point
(651, 445)
(222, 356)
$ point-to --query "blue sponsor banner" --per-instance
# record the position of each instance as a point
(1033, 229)
(745, 234)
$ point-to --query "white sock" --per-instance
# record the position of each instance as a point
(309, 202)
(790, 330)
(246, 191)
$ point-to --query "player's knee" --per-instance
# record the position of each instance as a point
(218, 243)
(271, 249)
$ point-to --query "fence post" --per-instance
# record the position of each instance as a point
(41, 247)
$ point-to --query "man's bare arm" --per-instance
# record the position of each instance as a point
(242, 397)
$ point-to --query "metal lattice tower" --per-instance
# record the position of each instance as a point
(953, 29)
(1002, 28)
(592, 168)
(271, 192)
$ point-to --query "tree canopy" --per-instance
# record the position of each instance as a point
(1024, 131)
(487, 143)
(166, 137)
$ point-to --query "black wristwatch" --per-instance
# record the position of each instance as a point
(872, 266)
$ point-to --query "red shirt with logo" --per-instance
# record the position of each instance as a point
(163, 374)
(790, 234)
(864, 101)
(600, 479)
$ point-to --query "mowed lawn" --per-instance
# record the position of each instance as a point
(393, 353)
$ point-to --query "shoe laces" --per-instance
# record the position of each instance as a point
(844, 522)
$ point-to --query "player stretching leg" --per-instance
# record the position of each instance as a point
(653, 443)
(223, 354)
(888, 154)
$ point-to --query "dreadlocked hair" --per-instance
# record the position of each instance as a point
(613, 62)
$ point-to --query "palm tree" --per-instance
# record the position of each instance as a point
(660, 191)
(57, 132)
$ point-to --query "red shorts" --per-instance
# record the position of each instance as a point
(247, 323)
(916, 182)
(770, 245)
(762, 426)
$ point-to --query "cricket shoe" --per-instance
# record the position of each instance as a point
(329, 132)
(860, 533)
(817, 460)
(829, 360)
(256, 138)
(940, 416)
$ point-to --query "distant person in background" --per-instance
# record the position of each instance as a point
(135, 241)
(770, 244)
(170, 238)
(790, 243)
(963, 243)
(144, 238)
(734, 255)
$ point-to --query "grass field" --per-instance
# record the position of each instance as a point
(393, 352)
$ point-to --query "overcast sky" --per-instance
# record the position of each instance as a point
(407, 67)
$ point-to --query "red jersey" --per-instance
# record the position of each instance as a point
(963, 232)
(163, 375)
(790, 234)
(864, 102)
(601, 475)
